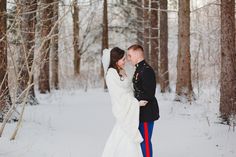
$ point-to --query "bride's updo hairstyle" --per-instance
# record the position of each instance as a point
(115, 56)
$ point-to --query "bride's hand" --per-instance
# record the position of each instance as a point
(143, 103)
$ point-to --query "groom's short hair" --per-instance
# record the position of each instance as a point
(136, 47)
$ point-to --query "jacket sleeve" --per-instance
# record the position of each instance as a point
(149, 85)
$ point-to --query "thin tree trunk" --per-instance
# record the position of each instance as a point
(164, 72)
(5, 99)
(140, 27)
(146, 29)
(47, 14)
(154, 37)
(55, 57)
(184, 85)
(228, 60)
(105, 41)
(76, 37)
(28, 25)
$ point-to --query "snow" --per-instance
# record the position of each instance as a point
(74, 123)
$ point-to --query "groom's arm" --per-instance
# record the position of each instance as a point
(148, 84)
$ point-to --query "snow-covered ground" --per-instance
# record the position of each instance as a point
(71, 123)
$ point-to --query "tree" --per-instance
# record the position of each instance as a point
(5, 99)
(105, 41)
(154, 37)
(55, 57)
(47, 14)
(139, 11)
(164, 72)
(77, 57)
(228, 60)
(146, 22)
(25, 61)
(184, 87)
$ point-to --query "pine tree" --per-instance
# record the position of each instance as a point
(47, 14)
(164, 72)
(228, 60)
(25, 60)
(184, 87)
(139, 12)
(54, 55)
(75, 16)
(105, 41)
(154, 37)
(146, 23)
(5, 99)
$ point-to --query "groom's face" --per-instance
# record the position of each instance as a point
(132, 56)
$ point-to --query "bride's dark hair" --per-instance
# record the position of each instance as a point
(115, 56)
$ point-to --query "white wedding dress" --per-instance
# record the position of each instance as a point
(125, 137)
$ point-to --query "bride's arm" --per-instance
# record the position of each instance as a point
(112, 80)
(116, 86)
(121, 98)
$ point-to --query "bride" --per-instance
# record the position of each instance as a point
(125, 137)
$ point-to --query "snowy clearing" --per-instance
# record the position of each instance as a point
(76, 123)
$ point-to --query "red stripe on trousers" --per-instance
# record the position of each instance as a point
(146, 139)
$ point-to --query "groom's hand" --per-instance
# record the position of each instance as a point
(143, 103)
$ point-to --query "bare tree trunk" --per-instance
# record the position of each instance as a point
(47, 14)
(228, 60)
(164, 72)
(28, 25)
(140, 27)
(154, 37)
(105, 41)
(5, 99)
(75, 16)
(146, 38)
(184, 85)
(55, 57)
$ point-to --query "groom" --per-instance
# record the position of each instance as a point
(144, 82)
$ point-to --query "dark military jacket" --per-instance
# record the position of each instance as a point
(144, 82)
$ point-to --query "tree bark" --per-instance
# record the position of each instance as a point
(25, 61)
(154, 37)
(5, 99)
(184, 85)
(228, 60)
(77, 57)
(47, 14)
(105, 39)
(146, 38)
(55, 57)
(164, 72)
(140, 27)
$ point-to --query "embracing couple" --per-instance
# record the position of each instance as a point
(134, 105)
